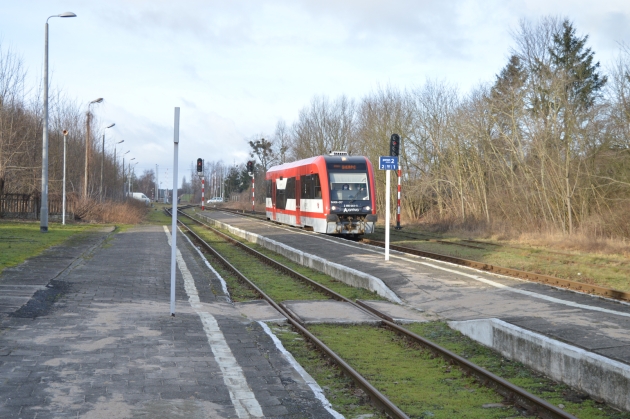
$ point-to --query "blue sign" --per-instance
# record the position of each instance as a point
(388, 163)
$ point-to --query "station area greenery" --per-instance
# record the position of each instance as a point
(22, 240)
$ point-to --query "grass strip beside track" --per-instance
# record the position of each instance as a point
(421, 384)
(22, 240)
(339, 389)
(578, 404)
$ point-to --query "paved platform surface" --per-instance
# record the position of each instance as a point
(97, 341)
(451, 292)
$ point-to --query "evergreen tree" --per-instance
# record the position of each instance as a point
(574, 62)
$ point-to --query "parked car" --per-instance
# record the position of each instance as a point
(141, 197)
(215, 200)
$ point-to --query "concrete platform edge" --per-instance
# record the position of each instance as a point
(598, 376)
(339, 272)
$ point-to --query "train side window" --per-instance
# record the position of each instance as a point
(290, 190)
(268, 187)
(306, 188)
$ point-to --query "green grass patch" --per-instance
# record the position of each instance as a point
(22, 240)
(576, 403)
(340, 390)
(420, 384)
(156, 215)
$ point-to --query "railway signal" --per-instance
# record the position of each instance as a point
(200, 167)
(250, 167)
(394, 145)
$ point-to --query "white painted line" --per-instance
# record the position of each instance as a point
(242, 397)
(529, 293)
(223, 283)
(319, 393)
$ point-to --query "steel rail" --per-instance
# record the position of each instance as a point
(511, 392)
(378, 398)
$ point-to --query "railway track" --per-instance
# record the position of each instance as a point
(520, 397)
(515, 273)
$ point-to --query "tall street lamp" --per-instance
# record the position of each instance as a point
(63, 199)
(116, 165)
(88, 115)
(129, 173)
(102, 161)
(123, 175)
(43, 223)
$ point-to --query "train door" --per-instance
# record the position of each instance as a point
(298, 192)
(273, 199)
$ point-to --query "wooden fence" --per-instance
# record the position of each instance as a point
(28, 206)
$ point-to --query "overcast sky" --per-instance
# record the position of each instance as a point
(236, 67)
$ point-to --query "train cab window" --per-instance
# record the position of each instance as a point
(347, 186)
(268, 187)
(317, 187)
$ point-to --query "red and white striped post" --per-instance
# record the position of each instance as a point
(398, 227)
(203, 193)
(253, 196)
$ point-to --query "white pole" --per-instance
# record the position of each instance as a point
(387, 185)
(63, 199)
(43, 223)
(174, 211)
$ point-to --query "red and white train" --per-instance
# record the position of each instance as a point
(327, 194)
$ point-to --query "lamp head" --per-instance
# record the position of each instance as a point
(67, 14)
(121, 141)
(111, 125)
(99, 100)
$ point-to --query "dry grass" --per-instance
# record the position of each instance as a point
(598, 234)
(128, 212)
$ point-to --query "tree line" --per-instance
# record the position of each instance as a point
(21, 119)
(544, 146)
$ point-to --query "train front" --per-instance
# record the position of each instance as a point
(352, 195)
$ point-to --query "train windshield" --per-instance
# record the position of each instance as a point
(347, 186)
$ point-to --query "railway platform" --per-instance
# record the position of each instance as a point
(108, 346)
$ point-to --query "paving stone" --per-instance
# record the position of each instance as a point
(110, 337)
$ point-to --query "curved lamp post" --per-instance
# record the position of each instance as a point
(103, 160)
(129, 173)
(43, 223)
(116, 166)
(63, 199)
(123, 175)
(88, 115)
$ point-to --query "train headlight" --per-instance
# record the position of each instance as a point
(334, 208)
(367, 208)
